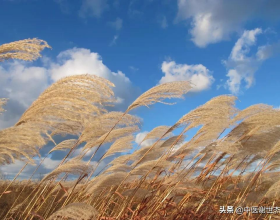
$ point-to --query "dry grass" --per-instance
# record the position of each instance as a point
(173, 178)
(2, 102)
(28, 49)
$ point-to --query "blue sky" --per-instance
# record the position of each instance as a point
(223, 47)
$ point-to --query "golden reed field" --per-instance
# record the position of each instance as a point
(227, 170)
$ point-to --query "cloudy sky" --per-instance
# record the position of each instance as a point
(222, 46)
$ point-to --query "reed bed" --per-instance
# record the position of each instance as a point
(232, 161)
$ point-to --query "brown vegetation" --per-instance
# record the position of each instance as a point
(170, 179)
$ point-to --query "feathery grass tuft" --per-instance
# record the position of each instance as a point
(2, 103)
(28, 49)
(75, 211)
(159, 93)
(232, 158)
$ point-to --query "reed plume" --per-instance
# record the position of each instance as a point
(114, 135)
(161, 92)
(28, 49)
(160, 131)
(75, 211)
(20, 142)
(2, 103)
(64, 145)
(68, 105)
(120, 145)
(232, 158)
(74, 166)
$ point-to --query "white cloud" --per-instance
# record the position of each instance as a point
(77, 61)
(140, 136)
(242, 46)
(243, 67)
(215, 20)
(23, 83)
(267, 51)
(234, 81)
(12, 169)
(93, 8)
(199, 75)
(80, 151)
(117, 24)
(50, 164)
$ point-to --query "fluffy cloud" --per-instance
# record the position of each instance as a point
(199, 75)
(23, 83)
(140, 136)
(215, 20)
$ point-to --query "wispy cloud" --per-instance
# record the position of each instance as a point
(64, 6)
(93, 8)
(133, 68)
(242, 67)
(267, 51)
(114, 41)
(163, 22)
(117, 24)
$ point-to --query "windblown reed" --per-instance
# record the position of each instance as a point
(232, 160)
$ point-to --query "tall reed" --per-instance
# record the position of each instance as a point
(232, 160)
